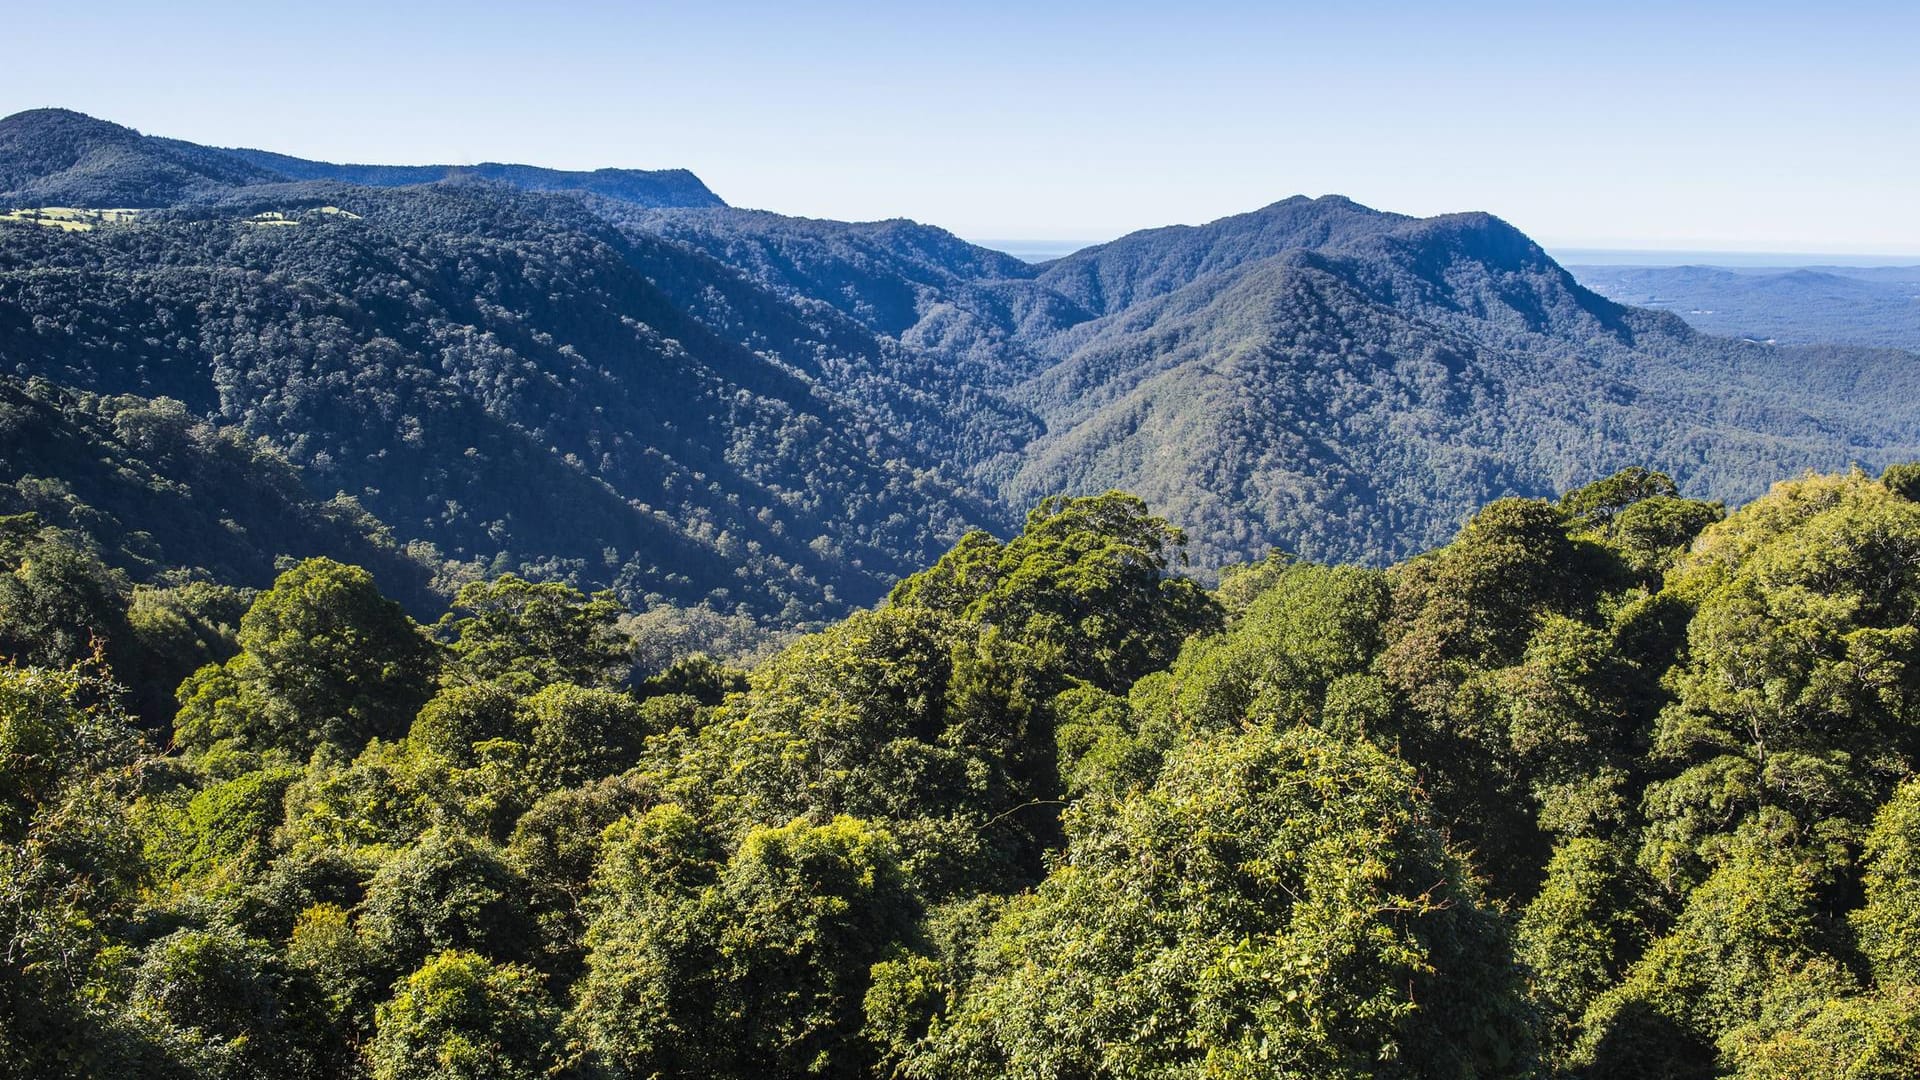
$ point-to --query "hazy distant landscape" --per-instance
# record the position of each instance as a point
(1851, 305)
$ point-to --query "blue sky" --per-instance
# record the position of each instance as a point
(1716, 126)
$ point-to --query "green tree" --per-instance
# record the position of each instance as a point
(1799, 689)
(324, 658)
(1278, 904)
(226, 1007)
(448, 892)
(70, 866)
(532, 634)
(1888, 923)
(462, 1016)
(760, 967)
(1087, 576)
(579, 734)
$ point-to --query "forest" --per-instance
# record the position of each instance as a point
(1618, 783)
(615, 380)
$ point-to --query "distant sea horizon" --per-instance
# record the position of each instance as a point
(1037, 251)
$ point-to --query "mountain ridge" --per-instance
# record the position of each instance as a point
(74, 159)
(1314, 375)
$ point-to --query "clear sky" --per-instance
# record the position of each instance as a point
(1722, 126)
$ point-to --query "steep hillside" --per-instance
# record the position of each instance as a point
(614, 378)
(160, 493)
(495, 374)
(1324, 377)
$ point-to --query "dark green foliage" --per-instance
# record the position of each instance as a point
(447, 892)
(533, 634)
(324, 658)
(1604, 786)
(55, 157)
(505, 381)
(1903, 479)
(165, 495)
(57, 599)
(225, 1007)
(1318, 376)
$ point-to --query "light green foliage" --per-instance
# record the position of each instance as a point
(1865, 1037)
(464, 1017)
(1310, 626)
(459, 718)
(1050, 813)
(380, 800)
(224, 831)
(904, 716)
(69, 863)
(1276, 905)
(1085, 576)
(324, 658)
(758, 967)
(1799, 689)
(1460, 617)
(1578, 934)
(1748, 926)
(578, 735)
(1889, 922)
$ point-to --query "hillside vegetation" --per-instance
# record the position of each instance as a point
(1618, 784)
(615, 380)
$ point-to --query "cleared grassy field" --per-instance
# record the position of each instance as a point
(70, 218)
(81, 219)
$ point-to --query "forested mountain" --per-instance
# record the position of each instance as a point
(495, 374)
(1836, 305)
(56, 157)
(1324, 377)
(1618, 784)
(641, 187)
(643, 388)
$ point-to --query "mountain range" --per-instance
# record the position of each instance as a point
(614, 378)
(1849, 305)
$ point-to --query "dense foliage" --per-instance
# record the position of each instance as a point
(363, 545)
(1612, 785)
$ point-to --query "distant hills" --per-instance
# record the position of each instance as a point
(57, 157)
(1322, 376)
(1847, 305)
(615, 378)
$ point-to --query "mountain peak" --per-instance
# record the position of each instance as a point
(59, 157)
